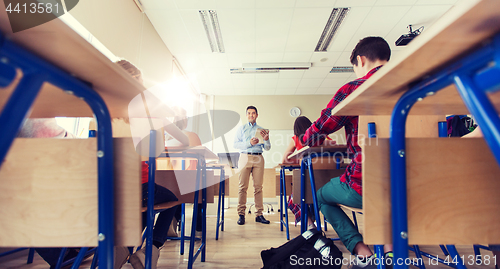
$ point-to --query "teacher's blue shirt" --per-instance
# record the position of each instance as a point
(243, 136)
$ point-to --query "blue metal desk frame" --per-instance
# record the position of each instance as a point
(36, 71)
(222, 195)
(474, 76)
(200, 174)
(284, 210)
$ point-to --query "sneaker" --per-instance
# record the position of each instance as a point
(172, 230)
(364, 263)
(139, 257)
(121, 256)
(389, 260)
(261, 219)
(241, 220)
(312, 226)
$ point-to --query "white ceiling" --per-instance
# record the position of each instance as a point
(260, 31)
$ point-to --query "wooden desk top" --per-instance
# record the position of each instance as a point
(309, 150)
(58, 44)
(199, 150)
(463, 27)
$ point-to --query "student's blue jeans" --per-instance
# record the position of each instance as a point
(329, 197)
(162, 195)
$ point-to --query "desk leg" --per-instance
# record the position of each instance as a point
(204, 213)
(223, 196)
(283, 187)
(313, 192)
(281, 199)
(151, 199)
(221, 183)
(303, 209)
(183, 226)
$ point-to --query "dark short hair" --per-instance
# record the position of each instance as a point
(252, 107)
(373, 48)
(300, 126)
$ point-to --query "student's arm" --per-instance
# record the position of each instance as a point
(175, 132)
(289, 150)
(239, 140)
(327, 124)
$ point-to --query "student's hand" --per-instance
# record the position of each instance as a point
(265, 134)
(254, 141)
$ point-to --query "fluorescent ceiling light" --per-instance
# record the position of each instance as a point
(276, 66)
(332, 25)
(252, 71)
(212, 28)
(342, 69)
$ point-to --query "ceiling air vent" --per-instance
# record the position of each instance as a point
(212, 28)
(342, 69)
(332, 25)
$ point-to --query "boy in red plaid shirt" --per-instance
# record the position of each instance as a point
(367, 57)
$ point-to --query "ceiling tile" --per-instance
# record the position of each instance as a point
(238, 29)
(242, 81)
(195, 4)
(305, 91)
(306, 28)
(275, 3)
(329, 58)
(218, 91)
(213, 60)
(271, 57)
(297, 57)
(288, 83)
(264, 91)
(333, 84)
(285, 91)
(159, 4)
(315, 3)
(326, 91)
(244, 91)
(437, 2)
(225, 4)
(317, 72)
(265, 83)
(352, 22)
(310, 82)
(395, 2)
(374, 26)
(344, 59)
(291, 73)
(236, 59)
(272, 26)
(354, 3)
(417, 16)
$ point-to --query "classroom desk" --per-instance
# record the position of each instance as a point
(74, 80)
(201, 154)
(308, 157)
(451, 64)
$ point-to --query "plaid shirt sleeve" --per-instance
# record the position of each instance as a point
(327, 124)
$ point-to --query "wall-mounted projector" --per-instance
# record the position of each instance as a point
(403, 40)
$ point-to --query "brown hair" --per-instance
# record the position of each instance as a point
(300, 126)
(373, 48)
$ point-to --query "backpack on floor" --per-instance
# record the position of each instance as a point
(309, 250)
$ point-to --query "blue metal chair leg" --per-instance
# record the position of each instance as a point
(61, 258)
(455, 257)
(303, 215)
(281, 199)
(418, 254)
(313, 191)
(31, 255)
(445, 251)
(151, 198)
(79, 258)
(95, 260)
(379, 251)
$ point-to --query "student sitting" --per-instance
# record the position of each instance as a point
(367, 57)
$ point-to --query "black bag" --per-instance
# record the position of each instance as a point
(308, 250)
